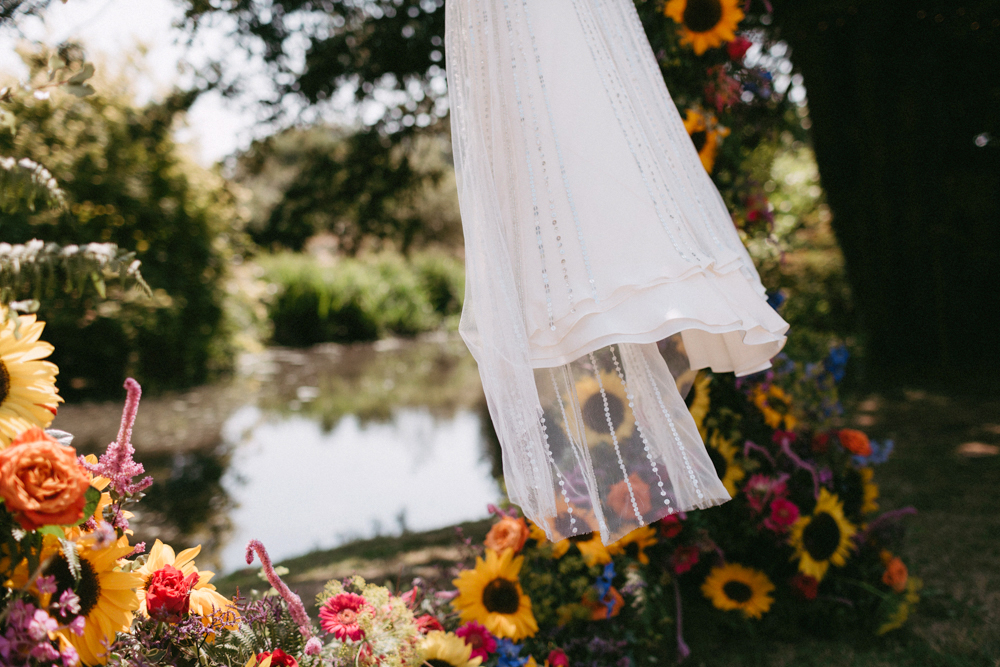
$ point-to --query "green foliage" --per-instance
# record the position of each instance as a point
(361, 299)
(25, 183)
(363, 190)
(126, 183)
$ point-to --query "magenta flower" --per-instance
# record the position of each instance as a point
(339, 616)
(783, 514)
(479, 638)
(117, 462)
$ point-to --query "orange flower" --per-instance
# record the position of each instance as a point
(855, 442)
(507, 533)
(621, 502)
(41, 481)
(599, 610)
(896, 574)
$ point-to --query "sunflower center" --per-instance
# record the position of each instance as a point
(438, 662)
(88, 589)
(501, 596)
(699, 138)
(593, 412)
(4, 382)
(737, 591)
(821, 537)
(702, 15)
(577, 539)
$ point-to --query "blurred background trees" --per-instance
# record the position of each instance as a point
(900, 121)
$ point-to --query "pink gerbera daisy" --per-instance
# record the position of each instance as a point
(479, 638)
(783, 514)
(339, 616)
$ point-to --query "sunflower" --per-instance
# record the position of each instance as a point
(699, 400)
(634, 544)
(444, 649)
(705, 24)
(723, 454)
(205, 600)
(869, 503)
(822, 537)
(107, 597)
(776, 406)
(600, 400)
(592, 549)
(733, 586)
(491, 594)
(705, 132)
(27, 385)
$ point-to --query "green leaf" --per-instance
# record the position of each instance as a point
(80, 90)
(82, 75)
(93, 497)
(51, 530)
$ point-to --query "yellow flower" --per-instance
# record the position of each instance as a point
(27, 385)
(699, 400)
(733, 586)
(723, 454)
(444, 649)
(491, 594)
(107, 597)
(869, 502)
(205, 600)
(902, 612)
(823, 537)
(634, 544)
(776, 406)
(706, 134)
(705, 24)
(599, 401)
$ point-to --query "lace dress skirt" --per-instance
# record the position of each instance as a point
(592, 234)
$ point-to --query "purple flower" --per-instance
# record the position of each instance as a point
(880, 454)
(117, 463)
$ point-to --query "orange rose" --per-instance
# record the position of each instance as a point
(855, 442)
(507, 533)
(621, 501)
(895, 574)
(41, 481)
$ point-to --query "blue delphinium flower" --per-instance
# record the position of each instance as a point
(603, 586)
(776, 299)
(880, 454)
(836, 362)
(507, 652)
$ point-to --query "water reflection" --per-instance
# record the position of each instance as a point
(298, 487)
(307, 449)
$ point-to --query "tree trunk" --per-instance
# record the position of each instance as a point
(904, 100)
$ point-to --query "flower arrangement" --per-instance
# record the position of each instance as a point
(800, 545)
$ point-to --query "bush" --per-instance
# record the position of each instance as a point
(361, 299)
(127, 182)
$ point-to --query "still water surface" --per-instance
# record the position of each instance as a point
(308, 449)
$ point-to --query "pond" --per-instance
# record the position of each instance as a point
(308, 449)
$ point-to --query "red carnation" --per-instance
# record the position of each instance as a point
(168, 593)
(426, 623)
(805, 586)
(670, 526)
(278, 658)
(738, 48)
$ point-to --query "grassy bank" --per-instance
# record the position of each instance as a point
(361, 299)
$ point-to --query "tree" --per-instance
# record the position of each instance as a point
(124, 181)
(904, 101)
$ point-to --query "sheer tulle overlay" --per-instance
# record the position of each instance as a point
(592, 232)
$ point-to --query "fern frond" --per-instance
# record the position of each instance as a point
(26, 184)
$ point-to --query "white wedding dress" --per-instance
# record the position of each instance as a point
(592, 232)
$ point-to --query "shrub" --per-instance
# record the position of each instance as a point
(361, 299)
